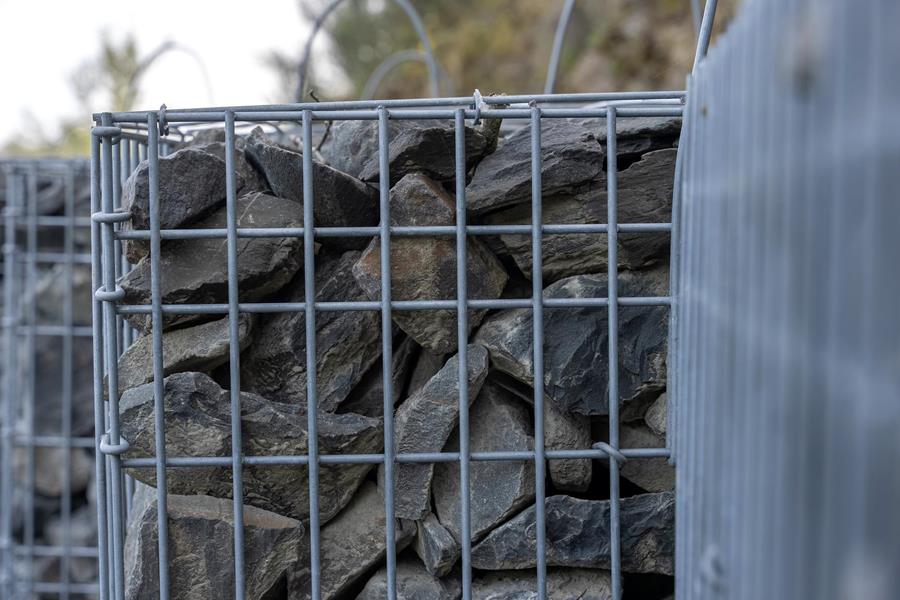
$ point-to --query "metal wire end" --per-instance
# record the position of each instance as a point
(104, 295)
(163, 123)
(114, 217)
(477, 104)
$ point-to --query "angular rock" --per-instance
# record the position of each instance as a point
(198, 423)
(644, 196)
(195, 271)
(422, 424)
(367, 398)
(574, 584)
(567, 431)
(497, 422)
(191, 184)
(578, 536)
(347, 342)
(339, 200)
(576, 343)
(424, 268)
(351, 545)
(48, 469)
(573, 157)
(272, 545)
(435, 545)
(656, 416)
(199, 348)
(427, 365)
(413, 583)
(247, 178)
(415, 147)
(651, 474)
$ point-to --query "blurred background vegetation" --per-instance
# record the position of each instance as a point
(494, 45)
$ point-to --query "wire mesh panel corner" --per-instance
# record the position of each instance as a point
(47, 515)
(364, 370)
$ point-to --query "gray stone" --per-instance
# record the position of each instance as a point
(422, 424)
(248, 179)
(567, 431)
(367, 398)
(272, 545)
(199, 348)
(339, 200)
(424, 268)
(427, 365)
(198, 423)
(82, 532)
(497, 422)
(565, 584)
(415, 147)
(656, 416)
(347, 342)
(435, 545)
(47, 359)
(49, 295)
(578, 536)
(412, 583)
(576, 343)
(573, 158)
(644, 196)
(351, 545)
(195, 271)
(48, 469)
(651, 474)
(191, 184)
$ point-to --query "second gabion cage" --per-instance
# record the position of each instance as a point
(409, 354)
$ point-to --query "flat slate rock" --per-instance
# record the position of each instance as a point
(644, 196)
(565, 584)
(578, 536)
(651, 474)
(412, 583)
(576, 343)
(195, 271)
(498, 421)
(424, 268)
(422, 424)
(272, 545)
(199, 348)
(339, 200)
(191, 184)
(348, 343)
(198, 423)
(367, 398)
(351, 546)
(426, 147)
(436, 546)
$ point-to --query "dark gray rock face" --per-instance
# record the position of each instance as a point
(651, 474)
(427, 365)
(271, 546)
(367, 398)
(347, 342)
(415, 147)
(413, 583)
(644, 196)
(435, 546)
(198, 423)
(422, 424)
(247, 178)
(578, 536)
(575, 584)
(567, 431)
(575, 343)
(199, 348)
(351, 545)
(573, 157)
(497, 421)
(339, 200)
(424, 268)
(191, 184)
(195, 271)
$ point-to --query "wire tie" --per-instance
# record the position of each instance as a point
(163, 122)
(104, 295)
(113, 449)
(610, 452)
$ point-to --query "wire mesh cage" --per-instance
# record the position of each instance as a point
(47, 515)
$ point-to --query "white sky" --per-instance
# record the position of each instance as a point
(44, 41)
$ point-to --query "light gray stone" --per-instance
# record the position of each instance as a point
(424, 268)
(651, 474)
(498, 489)
(48, 469)
(565, 584)
(272, 545)
(578, 536)
(435, 546)
(422, 424)
(82, 532)
(412, 583)
(656, 416)
(50, 295)
(198, 423)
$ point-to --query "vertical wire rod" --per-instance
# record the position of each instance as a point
(384, 191)
(309, 280)
(613, 335)
(31, 191)
(156, 327)
(537, 307)
(462, 335)
(706, 25)
(66, 467)
(234, 364)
